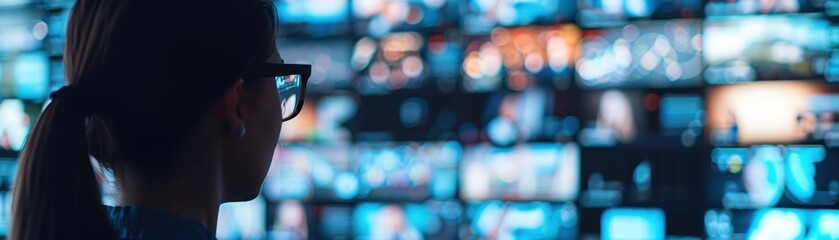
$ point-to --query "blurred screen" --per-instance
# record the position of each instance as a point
(521, 220)
(516, 117)
(663, 176)
(772, 113)
(650, 54)
(8, 173)
(410, 115)
(774, 176)
(313, 18)
(21, 30)
(329, 60)
(444, 53)
(25, 76)
(633, 223)
(16, 119)
(391, 63)
(773, 223)
(311, 172)
(546, 172)
(56, 37)
(743, 7)
(323, 118)
(520, 57)
(378, 17)
(295, 220)
(242, 220)
(616, 12)
(290, 222)
(432, 220)
(783, 47)
(407, 171)
(641, 118)
(482, 15)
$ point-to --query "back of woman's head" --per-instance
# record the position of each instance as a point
(140, 72)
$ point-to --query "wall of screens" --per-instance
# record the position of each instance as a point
(513, 119)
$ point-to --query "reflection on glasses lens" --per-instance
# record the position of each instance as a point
(288, 88)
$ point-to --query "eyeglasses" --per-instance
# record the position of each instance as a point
(291, 84)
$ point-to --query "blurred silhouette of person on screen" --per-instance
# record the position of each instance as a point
(182, 102)
(14, 124)
(615, 113)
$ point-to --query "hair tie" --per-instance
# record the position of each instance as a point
(73, 93)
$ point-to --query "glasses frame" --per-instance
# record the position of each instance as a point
(273, 70)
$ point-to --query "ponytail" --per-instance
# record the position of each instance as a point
(57, 195)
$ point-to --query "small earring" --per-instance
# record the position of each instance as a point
(240, 131)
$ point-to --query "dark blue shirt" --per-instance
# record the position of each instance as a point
(132, 222)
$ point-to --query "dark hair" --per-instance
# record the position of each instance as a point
(140, 71)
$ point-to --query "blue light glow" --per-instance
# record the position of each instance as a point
(313, 11)
(346, 186)
(825, 225)
(763, 176)
(777, 224)
(801, 171)
(31, 76)
(535, 220)
(633, 223)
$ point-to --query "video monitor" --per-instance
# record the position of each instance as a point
(779, 112)
(313, 18)
(242, 220)
(296, 220)
(664, 176)
(21, 30)
(8, 170)
(311, 172)
(290, 221)
(594, 13)
(633, 223)
(772, 223)
(652, 54)
(410, 115)
(391, 63)
(758, 7)
(330, 60)
(56, 37)
(444, 53)
(521, 220)
(431, 220)
(508, 117)
(481, 16)
(636, 118)
(406, 171)
(25, 76)
(16, 120)
(378, 17)
(323, 118)
(532, 172)
(766, 47)
(774, 176)
(517, 58)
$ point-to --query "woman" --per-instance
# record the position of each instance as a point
(182, 100)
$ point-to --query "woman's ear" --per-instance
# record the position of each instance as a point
(232, 111)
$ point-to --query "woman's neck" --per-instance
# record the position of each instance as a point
(191, 187)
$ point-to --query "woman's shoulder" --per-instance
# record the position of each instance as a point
(133, 222)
